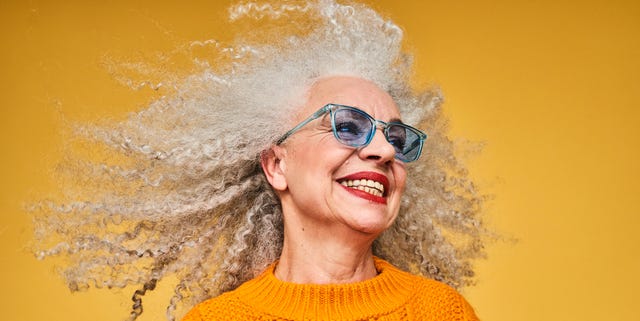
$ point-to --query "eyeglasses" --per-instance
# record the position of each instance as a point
(353, 127)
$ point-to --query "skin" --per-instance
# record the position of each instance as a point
(329, 228)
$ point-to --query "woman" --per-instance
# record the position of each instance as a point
(339, 176)
(253, 171)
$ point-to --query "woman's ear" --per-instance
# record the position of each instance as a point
(274, 167)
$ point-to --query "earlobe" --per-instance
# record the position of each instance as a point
(274, 167)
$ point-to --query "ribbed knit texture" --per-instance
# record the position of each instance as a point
(391, 295)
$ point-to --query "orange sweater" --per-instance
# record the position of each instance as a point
(392, 295)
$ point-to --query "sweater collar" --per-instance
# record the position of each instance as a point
(382, 294)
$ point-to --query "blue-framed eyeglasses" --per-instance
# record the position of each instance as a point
(354, 127)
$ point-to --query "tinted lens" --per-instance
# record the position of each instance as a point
(405, 140)
(355, 128)
(352, 127)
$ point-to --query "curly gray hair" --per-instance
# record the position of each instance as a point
(177, 188)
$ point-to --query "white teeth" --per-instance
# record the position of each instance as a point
(366, 185)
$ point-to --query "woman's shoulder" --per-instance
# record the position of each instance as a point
(432, 299)
(222, 307)
(441, 302)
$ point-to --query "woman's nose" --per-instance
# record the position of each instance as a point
(379, 149)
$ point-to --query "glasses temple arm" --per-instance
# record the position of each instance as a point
(315, 115)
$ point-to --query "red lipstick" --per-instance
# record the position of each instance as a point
(377, 177)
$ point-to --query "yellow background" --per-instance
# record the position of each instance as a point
(552, 87)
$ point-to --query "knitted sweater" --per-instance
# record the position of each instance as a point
(391, 295)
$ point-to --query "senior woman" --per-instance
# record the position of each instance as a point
(339, 175)
(282, 180)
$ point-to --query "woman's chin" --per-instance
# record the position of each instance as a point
(372, 224)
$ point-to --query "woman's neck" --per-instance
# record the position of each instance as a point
(313, 259)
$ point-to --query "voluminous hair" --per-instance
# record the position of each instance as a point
(176, 189)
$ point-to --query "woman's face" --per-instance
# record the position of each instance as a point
(320, 172)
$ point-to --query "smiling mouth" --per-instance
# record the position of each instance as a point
(366, 185)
